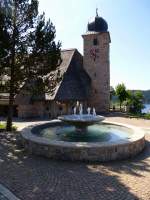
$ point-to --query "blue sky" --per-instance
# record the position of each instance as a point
(129, 26)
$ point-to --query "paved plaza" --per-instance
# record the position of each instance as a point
(36, 178)
(6, 194)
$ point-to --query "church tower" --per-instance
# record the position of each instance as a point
(96, 63)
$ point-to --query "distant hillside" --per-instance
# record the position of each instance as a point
(146, 94)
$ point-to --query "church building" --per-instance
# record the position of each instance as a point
(84, 78)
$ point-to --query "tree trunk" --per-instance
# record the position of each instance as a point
(120, 106)
(12, 74)
(10, 112)
(11, 95)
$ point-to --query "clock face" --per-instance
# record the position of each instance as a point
(94, 53)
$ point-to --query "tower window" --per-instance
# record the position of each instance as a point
(95, 91)
(95, 42)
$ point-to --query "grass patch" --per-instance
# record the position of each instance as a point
(141, 116)
(3, 127)
(147, 116)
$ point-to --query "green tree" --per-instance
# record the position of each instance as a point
(28, 51)
(135, 102)
(121, 92)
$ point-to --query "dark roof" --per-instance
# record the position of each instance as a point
(66, 56)
(98, 24)
(75, 81)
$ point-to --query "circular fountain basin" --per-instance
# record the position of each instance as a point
(102, 142)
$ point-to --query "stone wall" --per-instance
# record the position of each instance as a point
(42, 109)
(96, 63)
(31, 110)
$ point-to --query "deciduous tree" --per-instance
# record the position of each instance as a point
(135, 102)
(121, 92)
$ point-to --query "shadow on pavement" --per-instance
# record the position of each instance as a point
(38, 178)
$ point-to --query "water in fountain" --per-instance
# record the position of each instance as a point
(95, 133)
(75, 110)
(89, 110)
(81, 110)
(94, 112)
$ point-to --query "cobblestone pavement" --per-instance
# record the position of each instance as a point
(6, 194)
(37, 178)
(2, 197)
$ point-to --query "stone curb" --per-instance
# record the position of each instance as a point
(7, 194)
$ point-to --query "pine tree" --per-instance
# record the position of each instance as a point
(28, 51)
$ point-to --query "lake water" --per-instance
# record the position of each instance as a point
(146, 109)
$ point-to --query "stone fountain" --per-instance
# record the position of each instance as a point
(82, 121)
(82, 137)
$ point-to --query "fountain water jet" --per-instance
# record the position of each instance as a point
(81, 121)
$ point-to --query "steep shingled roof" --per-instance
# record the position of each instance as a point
(66, 56)
(75, 81)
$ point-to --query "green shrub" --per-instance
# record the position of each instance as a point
(147, 116)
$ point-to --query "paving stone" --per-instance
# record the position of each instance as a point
(2, 197)
(5, 194)
(37, 178)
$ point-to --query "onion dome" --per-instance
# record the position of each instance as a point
(98, 24)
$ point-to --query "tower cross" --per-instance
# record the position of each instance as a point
(96, 12)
